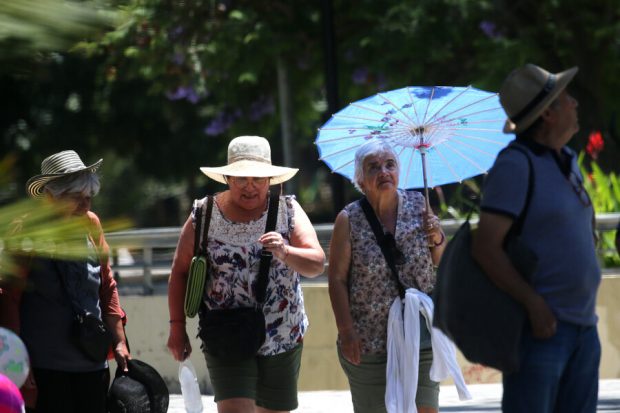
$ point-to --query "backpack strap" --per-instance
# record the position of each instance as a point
(518, 225)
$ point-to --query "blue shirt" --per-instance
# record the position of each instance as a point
(558, 226)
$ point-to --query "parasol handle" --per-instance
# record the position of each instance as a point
(423, 155)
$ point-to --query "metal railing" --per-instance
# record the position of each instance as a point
(152, 249)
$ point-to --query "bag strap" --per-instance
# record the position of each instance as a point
(518, 225)
(266, 256)
(202, 218)
(76, 308)
(383, 241)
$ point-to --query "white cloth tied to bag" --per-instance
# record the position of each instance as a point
(403, 353)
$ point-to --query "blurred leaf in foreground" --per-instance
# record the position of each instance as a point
(38, 228)
(28, 26)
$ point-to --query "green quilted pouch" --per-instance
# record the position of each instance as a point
(195, 286)
(197, 275)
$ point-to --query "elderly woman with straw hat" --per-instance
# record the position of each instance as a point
(237, 237)
(56, 286)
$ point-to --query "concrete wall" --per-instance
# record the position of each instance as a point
(147, 330)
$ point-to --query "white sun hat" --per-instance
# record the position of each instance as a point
(250, 156)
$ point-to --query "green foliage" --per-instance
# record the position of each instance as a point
(604, 191)
(164, 91)
(30, 26)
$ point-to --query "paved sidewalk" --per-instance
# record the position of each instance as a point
(486, 399)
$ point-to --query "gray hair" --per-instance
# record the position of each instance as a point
(85, 182)
(372, 147)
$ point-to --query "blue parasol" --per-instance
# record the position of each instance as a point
(441, 134)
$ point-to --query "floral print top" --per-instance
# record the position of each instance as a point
(234, 257)
(372, 287)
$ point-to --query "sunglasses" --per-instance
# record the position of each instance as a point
(243, 181)
(577, 185)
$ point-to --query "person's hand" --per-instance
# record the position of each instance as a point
(178, 342)
(432, 227)
(121, 355)
(543, 321)
(274, 243)
(350, 346)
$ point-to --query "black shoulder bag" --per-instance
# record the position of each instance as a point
(483, 321)
(238, 333)
(88, 332)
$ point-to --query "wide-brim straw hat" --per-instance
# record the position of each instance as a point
(250, 156)
(56, 166)
(528, 91)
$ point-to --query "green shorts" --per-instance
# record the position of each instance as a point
(367, 382)
(271, 381)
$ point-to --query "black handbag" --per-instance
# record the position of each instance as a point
(91, 336)
(238, 333)
(483, 321)
(88, 332)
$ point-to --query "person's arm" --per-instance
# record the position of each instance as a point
(488, 251)
(108, 293)
(115, 326)
(338, 277)
(111, 310)
(304, 254)
(178, 340)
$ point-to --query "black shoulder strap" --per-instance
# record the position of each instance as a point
(203, 219)
(518, 225)
(382, 241)
(74, 304)
(266, 256)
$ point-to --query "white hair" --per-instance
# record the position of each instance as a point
(85, 182)
(372, 147)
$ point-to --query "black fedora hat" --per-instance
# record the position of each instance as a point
(138, 390)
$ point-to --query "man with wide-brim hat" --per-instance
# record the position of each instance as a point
(70, 276)
(237, 237)
(537, 182)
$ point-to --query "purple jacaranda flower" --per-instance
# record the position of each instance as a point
(185, 92)
(217, 126)
(489, 29)
(260, 108)
(175, 32)
(360, 76)
(178, 58)
(221, 122)
(178, 94)
(192, 96)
